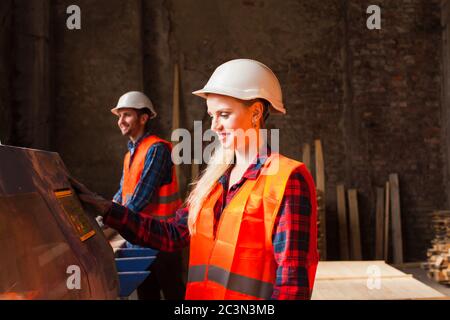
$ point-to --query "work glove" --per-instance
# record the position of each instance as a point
(87, 197)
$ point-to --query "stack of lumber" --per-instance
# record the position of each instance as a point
(388, 221)
(438, 264)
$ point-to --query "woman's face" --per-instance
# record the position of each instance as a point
(231, 119)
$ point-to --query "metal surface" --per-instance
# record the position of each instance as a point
(49, 244)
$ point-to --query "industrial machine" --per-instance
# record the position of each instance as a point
(50, 247)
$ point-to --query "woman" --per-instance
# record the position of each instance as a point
(250, 219)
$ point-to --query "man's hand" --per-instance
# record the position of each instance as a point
(88, 197)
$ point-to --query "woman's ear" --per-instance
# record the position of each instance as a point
(258, 110)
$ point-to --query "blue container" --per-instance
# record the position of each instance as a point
(134, 264)
(129, 281)
(135, 252)
(132, 267)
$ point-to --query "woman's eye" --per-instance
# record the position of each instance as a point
(224, 115)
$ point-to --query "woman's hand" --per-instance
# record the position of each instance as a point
(86, 196)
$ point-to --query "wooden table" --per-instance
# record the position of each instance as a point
(367, 280)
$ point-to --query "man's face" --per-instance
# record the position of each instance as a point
(130, 123)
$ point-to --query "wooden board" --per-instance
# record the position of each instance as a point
(386, 223)
(355, 240)
(176, 108)
(406, 288)
(306, 155)
(320, 170)
(353, 269)
(195, 170)
(350, 280)
(176, 99)
(397, 242)
(342, 219)
(379, 224)
(320, 188)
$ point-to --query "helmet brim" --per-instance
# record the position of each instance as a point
(115, 111)
(275, 107)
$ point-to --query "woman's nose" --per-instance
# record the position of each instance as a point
(214, 123)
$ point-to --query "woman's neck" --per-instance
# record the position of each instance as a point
(247, 154)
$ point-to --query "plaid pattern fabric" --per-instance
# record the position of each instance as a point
(157, 172)
(290, 234)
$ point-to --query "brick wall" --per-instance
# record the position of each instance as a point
(372, 97)
(6, 9)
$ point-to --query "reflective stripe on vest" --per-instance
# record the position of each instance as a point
(231, 281)
(165, 200)
(238, 261)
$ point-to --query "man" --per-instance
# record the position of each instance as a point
(149, 185)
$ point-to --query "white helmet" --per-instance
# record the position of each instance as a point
(135, 100)
(245, 79)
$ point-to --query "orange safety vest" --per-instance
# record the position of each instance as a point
(238, 262)
(165, 200)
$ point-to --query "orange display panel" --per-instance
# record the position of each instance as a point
(73, 209)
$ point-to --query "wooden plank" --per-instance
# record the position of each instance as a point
(306, 155)
(320, 169)
(355, 242)
(349, 280)
(354, 269)
(176, 99)
(386, 222)
(176, 108)
(364, 277)
(320, 188)
(342, 219)
(379, 224)
(195, 170)
(406, 288)
(397, 243)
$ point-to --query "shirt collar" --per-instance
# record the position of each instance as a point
(133, 145)
(255, 168)
(252, 171)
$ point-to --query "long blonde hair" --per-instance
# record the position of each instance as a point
(220, 162)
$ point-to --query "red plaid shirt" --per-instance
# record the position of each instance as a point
(290, 234)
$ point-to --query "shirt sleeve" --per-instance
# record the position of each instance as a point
(157, 167)
(118, 196)
(144, 230)
(291, 241)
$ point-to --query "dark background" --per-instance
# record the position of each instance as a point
(377, 99)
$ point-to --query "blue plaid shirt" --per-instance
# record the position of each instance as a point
(157, 171)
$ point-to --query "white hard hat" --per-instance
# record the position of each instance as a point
(245, 79)
(135, 100)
